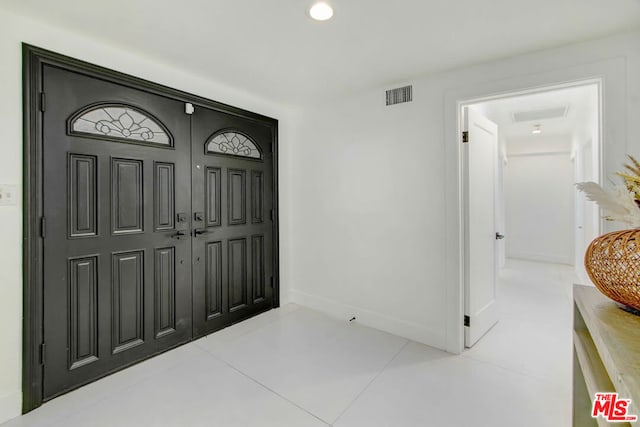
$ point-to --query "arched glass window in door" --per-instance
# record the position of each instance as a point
(120, 122)
(233, 143)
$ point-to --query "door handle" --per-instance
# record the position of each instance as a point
(197, 232)
(499, 236)
(178, 234)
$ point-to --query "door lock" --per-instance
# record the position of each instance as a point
(499, 236)
(198, 216)
(197, 232)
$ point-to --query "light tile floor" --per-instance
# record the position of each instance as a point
(297, 367)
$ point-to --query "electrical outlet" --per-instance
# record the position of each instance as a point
(8, 195)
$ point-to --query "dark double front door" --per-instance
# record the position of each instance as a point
(156, 226)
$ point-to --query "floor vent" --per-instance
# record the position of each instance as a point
(400, 95)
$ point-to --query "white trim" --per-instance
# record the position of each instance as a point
(410, 330)
(609, 74)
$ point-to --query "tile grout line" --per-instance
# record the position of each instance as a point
(143, 377)
(212, 354)
(265, 386)
(247, 332)
(69, 414)
(510, 370)
(384, 368)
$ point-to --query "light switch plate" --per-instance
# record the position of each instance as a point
(8, 195)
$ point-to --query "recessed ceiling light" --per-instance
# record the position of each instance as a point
(536, 130)
(321, 11)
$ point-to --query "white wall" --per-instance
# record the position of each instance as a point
(368, 229)
(376, 202)
(13, 31)
(539, 193)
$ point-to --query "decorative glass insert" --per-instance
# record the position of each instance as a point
(122, 122)
(233, 143)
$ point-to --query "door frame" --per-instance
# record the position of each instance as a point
(610, 74)
(465, 105)
(33, 60)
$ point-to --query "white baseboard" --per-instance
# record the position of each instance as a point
(532, 256)
(10, 406)
(402, 328)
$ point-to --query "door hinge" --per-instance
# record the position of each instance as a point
(271, 214)
(465, 136)
(467, 321)
(43, 353)
(271, 282)
(188, 108)
(43, 227)
(42, 102)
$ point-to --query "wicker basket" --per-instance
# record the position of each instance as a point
(613, 263)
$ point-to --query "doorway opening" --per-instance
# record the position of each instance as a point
(556, 130)
(526, 227)
(544, 141)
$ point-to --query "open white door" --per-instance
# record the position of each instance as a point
(480, 156)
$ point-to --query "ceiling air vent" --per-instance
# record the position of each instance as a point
(535, 115)
(400, 95)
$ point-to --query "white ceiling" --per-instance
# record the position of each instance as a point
(581, 103)
(272, 48)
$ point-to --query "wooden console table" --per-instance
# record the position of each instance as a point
(606, 354)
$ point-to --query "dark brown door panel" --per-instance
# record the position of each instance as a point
(117, 284)
(232, 182)
(148, 223)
